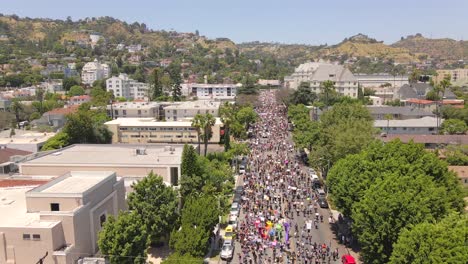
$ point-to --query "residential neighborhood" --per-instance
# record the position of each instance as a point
(281, 137)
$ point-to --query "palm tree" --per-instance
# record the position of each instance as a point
(440, 90)
(227, 114)
(17, 107)
(327, 86)
(208, 122)
(388, 117)
(197, 123)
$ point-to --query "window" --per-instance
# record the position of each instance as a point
(139, 112)
(102, 219)
(36, 237)
(124, 112)
(174, 176)
(55, 207)
(26, 237)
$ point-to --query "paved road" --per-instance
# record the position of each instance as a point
(275, 185)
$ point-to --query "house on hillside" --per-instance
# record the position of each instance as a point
(56, 117)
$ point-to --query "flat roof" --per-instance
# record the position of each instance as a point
(14, 211)
(75, 182)
(151, 122)
(133, 105)
(428, 139)
(110, 155)
(202, 104)
(23, 137)
(426, 121)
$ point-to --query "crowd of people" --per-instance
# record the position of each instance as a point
(281, 216)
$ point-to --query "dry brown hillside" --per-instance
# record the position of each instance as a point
(446, 49)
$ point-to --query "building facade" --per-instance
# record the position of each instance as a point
(213, 91)
(122, 86)
(149, 130)
(93, 71)
(378, 80)
(315, 73)
(62, 217)
(458, 77)
(133, 109)
(189, 109)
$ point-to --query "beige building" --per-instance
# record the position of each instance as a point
(25, 140)
(149, 130)
(315, 73)
(133, 109)
(132, 162)
(458, 77)
(61, 218)
(189, 109)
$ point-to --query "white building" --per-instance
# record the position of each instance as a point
(315, 73)
(378, 80)
(189, 109)
(423, 126)
(93, 71)
(122, 86)
(53, 86)
(133, 109)
(213, 91)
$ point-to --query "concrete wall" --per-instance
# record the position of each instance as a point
(41, 204)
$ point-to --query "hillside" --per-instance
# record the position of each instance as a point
(294, 54)
(363, 46)
(445, 48)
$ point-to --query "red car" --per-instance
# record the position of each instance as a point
(348, 259)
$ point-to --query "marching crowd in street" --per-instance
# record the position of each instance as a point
(281, 213)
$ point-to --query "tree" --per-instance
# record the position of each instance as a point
(190, 171)
(353, 175)
(12, 129)
(246, 116)
(456, 155)
(40, 98)
(327, 88)
(157, 90)
(124, 240)
(441, 242)
(199, 216)
(69, 82)
(453, 126)
(391, 204)
(227, 114)
(176, 258)
(388, 117)
(17, 107)
(176, 80)
(208, 122)
(414, 76)
(303, 95)
(156, 203)
(76, 90)
(58, 141)
(198, 125)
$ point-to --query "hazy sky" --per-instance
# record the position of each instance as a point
(287, 21)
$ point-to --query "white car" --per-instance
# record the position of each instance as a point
(241, 169)
(227, 252)
(233, 221)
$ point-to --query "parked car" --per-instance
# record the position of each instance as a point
(241, 169)
(229, 233)
(235, 206)
(233, 221)
(323, 203)
(227, 252)
(348, 259)
(321, 193)
(234, 212)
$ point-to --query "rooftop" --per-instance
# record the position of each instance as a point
(400, 110)
(75, 182)
(7, 153)
(419, 101)
(63, 111)
(426, 121)
(17, 183)
(461, 171)
(24, 137)
(111, 155)
(214, 85)
(151, 122)
(426, 139)
(200, 104)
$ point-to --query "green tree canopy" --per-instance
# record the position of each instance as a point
(428, 242)
(176, 258)
(124, 240)
(453, 126)
(69, 83)
(156, 203)
(76, 90)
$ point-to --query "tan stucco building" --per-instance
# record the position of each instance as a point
(458, 77)
(132, 162)
(149, 130)
(61, 218)
(190, 109)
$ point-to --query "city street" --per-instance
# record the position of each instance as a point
(278, 197)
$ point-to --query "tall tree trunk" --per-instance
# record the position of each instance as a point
(205, 140)
(199, 144)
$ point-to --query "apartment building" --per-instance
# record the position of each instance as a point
(133, 109)
(397, 112)
(123, 86)
(60, 219)
(189, 109)
(315, 73)
(129, 161)
(374, 81)
(93, 71)
(79, 99)
(213, 91)
(458, 77)
(149, 130)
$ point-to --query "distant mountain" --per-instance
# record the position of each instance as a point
(362, 46)
(445, 48)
